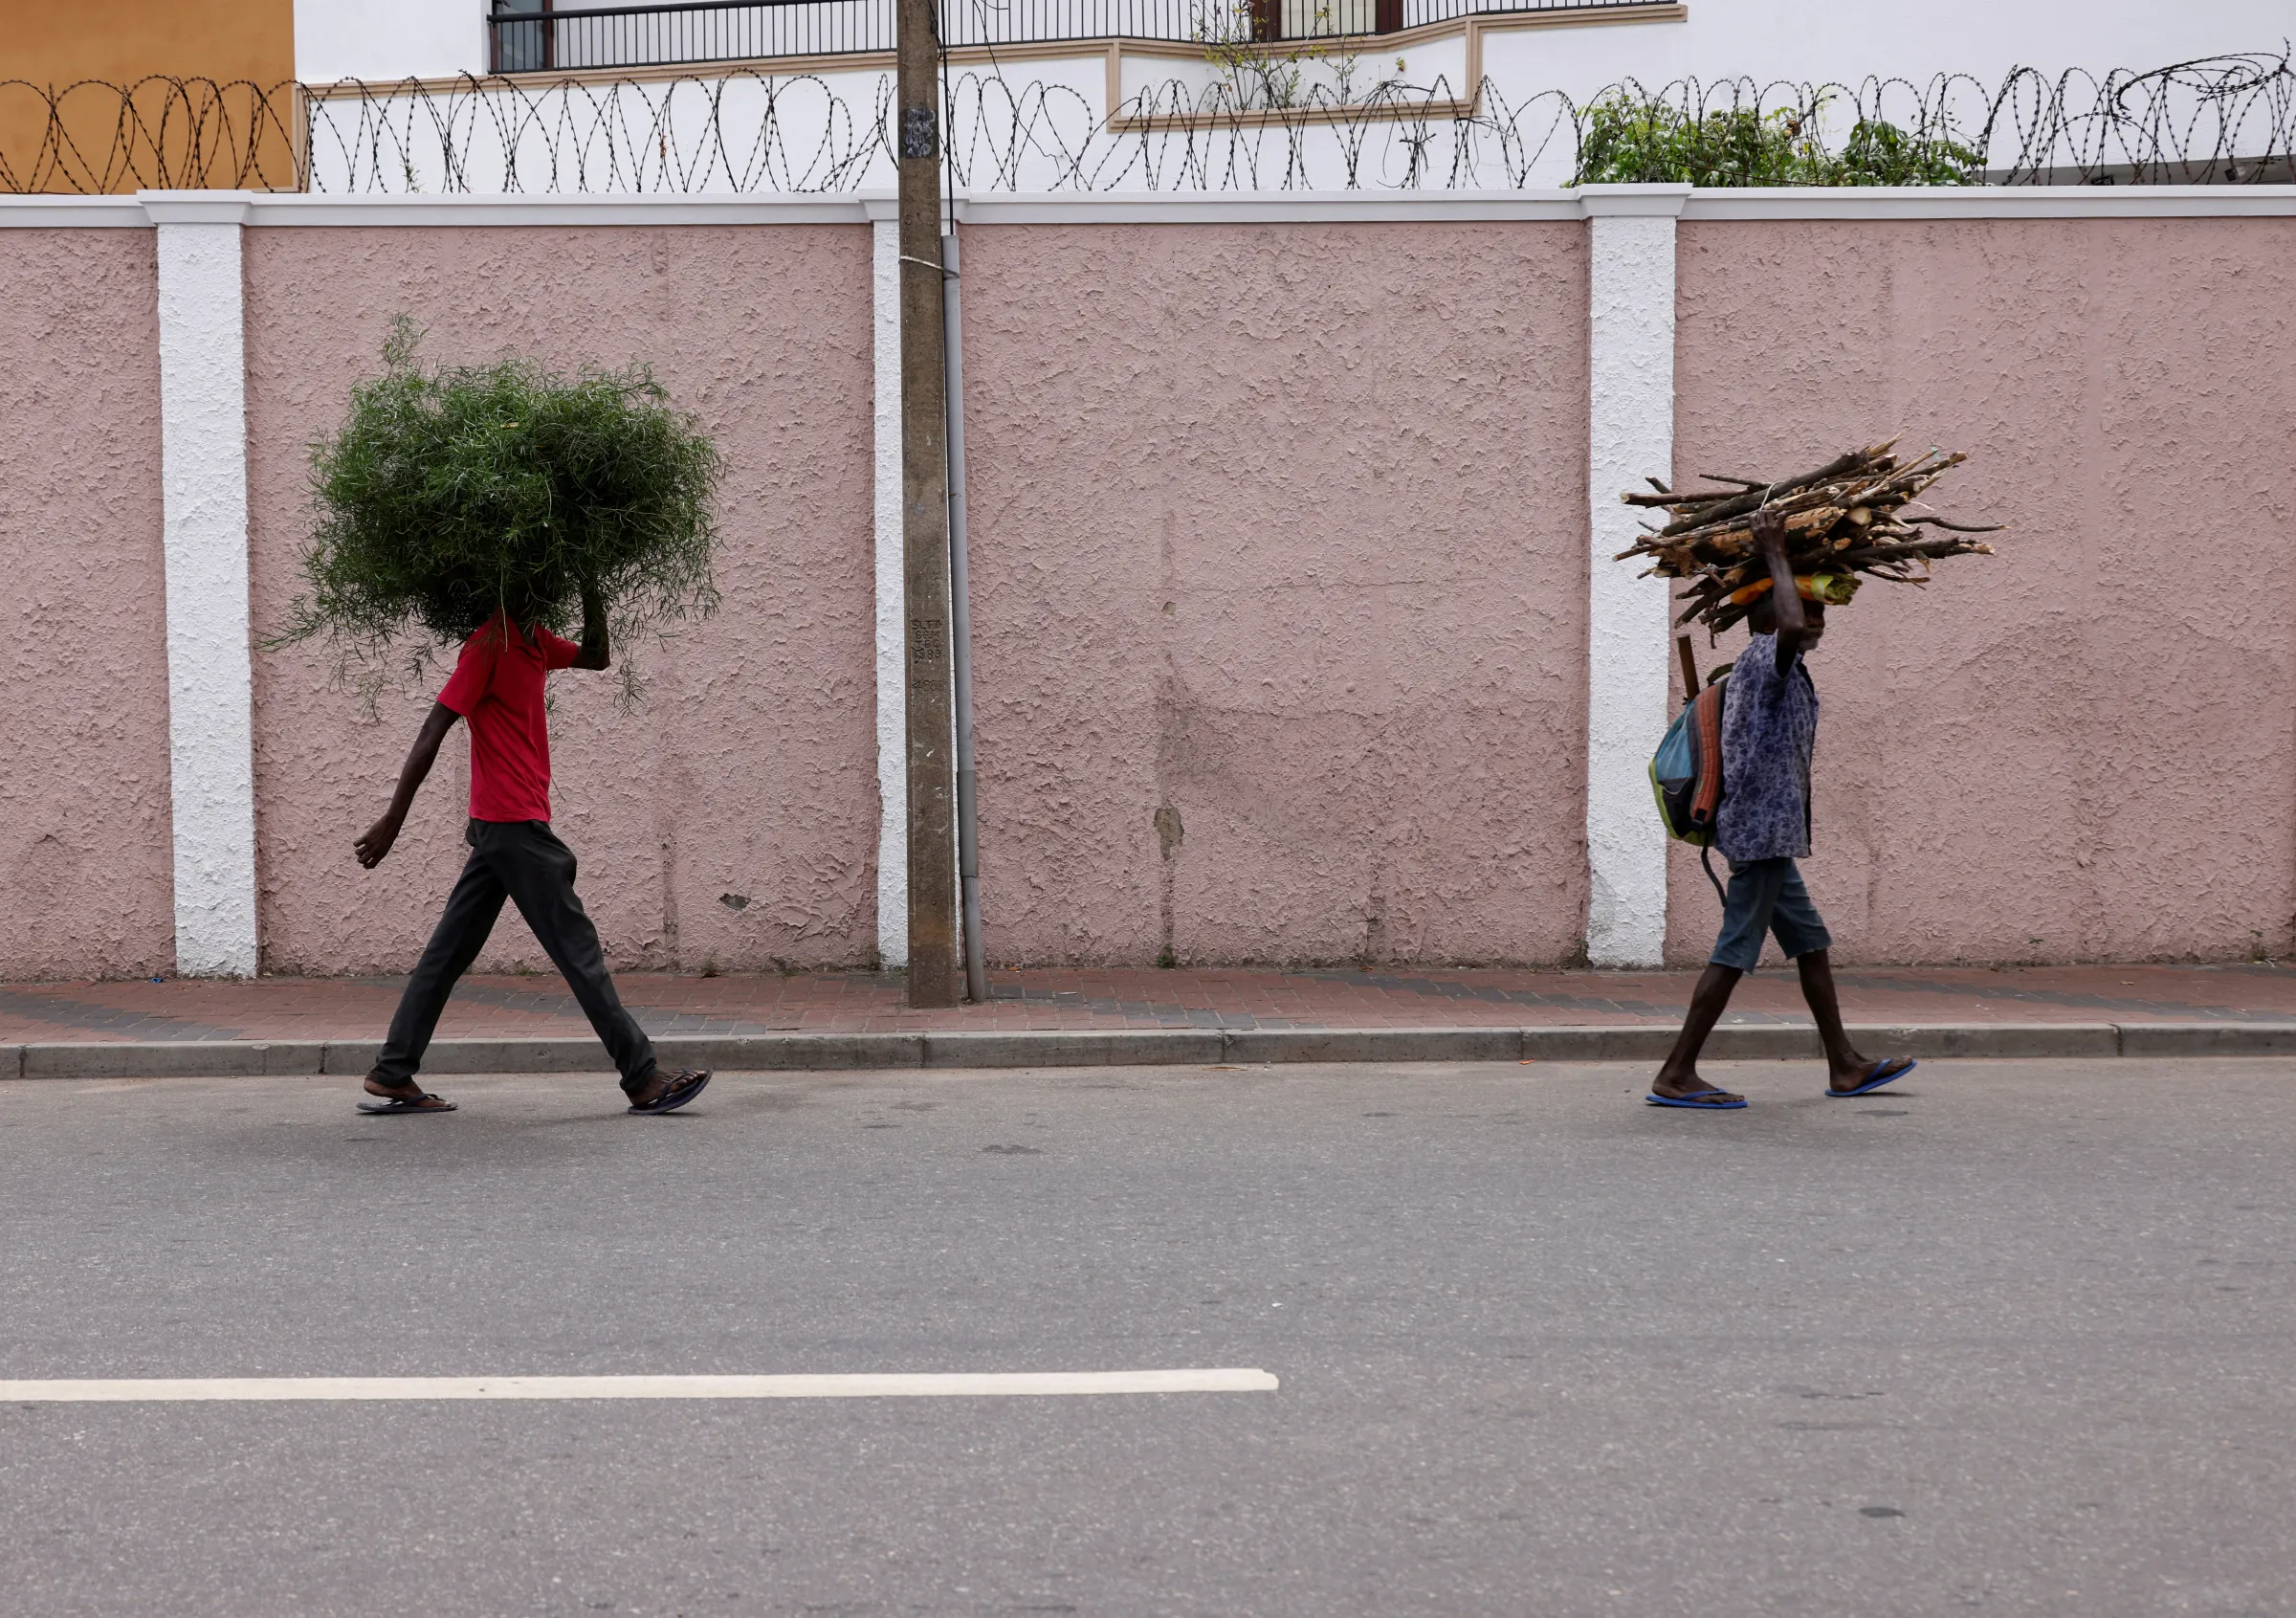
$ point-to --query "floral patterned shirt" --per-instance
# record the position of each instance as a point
(1769, 733)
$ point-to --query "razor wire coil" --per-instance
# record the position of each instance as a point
(2226, 119)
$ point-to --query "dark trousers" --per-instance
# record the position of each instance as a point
(522, 861)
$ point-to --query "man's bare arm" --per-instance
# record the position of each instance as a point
(1785, 601)
(595, 652)
(377, 839)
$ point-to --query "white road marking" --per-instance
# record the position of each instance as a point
(927, 1385)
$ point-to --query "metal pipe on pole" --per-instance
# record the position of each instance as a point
(925, 518)
(961, 630)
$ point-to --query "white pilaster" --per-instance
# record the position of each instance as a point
(893, 712)
(1630, 436)
(203, 469)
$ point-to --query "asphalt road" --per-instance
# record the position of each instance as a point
(2015, 1339)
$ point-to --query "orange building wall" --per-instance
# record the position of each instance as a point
(91, 143)
(58, 41)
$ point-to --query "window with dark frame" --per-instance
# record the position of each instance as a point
(521, 46)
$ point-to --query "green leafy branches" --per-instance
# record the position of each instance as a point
(1882, 154)
(451, 495)
(1626, 138)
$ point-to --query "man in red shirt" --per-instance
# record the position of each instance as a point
(497, 686)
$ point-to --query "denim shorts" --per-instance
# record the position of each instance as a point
(1766, 896)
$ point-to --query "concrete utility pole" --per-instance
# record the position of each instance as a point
(925, 521)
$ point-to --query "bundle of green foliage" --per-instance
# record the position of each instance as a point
(1626, 139)
(452, 494)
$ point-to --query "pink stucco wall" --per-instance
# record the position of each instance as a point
(84, 840)
(749, 771)
(2083, 748)
(1279, 589)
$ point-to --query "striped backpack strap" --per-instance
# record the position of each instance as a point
(1705, 797)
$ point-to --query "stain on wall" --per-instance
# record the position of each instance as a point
(1280, 530)
(85, 842)
(2080, 749)
(749, 767)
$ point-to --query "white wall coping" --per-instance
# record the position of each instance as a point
(40, 212)
(1993, 202)
(196, 208)
(1239, 208)
(764, 208)
(271, 209)
(1592, 201)
(1632, 202)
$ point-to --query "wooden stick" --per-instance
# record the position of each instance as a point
(1870, 554)
(1690, 497)
(1753, 499)
(1957, 527)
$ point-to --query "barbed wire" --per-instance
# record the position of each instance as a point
(96, 137)
(2226, 119)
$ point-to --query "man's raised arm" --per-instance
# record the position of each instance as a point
(595, 652)
(1785, 601)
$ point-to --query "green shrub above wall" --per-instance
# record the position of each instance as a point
(1625, 139)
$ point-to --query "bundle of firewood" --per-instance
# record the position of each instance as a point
(1858, 515)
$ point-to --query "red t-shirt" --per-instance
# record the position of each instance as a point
(497, 687)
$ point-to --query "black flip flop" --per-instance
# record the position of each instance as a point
(426, 1102)
(681, 1089)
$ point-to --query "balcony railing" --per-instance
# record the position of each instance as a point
(539, 37)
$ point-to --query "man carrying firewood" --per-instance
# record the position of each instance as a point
(497, 687)
(1769, 731)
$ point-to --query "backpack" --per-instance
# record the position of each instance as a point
(1686, 770)
(1685, 773)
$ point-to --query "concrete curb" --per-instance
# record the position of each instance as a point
(1060, 1048)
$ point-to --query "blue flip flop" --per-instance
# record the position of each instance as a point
(1693, 1104)
(1877, 1079)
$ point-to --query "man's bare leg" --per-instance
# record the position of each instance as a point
(1846, 1069)
(1678, 1077)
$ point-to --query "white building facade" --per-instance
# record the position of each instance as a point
(1129, 95)
(1192, 95)
(1820, 40)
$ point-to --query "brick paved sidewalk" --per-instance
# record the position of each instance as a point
(359, 1009)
